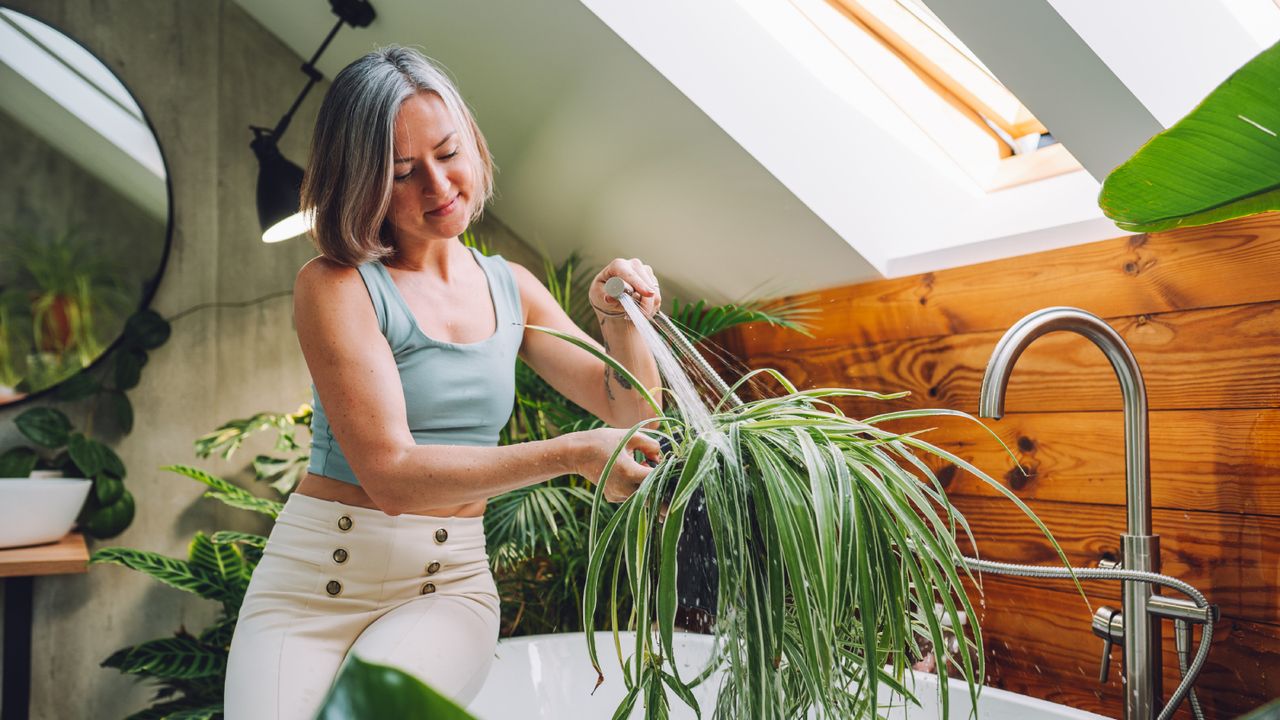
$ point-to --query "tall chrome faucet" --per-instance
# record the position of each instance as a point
(1137, 623)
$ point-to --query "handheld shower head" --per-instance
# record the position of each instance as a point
(615, 286)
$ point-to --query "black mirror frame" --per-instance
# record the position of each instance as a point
(152, 285)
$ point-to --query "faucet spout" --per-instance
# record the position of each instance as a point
(1136, 438)
(1139, 548)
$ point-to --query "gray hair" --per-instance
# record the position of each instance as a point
(349, 174)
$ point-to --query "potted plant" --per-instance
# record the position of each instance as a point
(833, 541)
(537, 536)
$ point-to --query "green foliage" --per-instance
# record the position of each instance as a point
(228, 493)
(833, 541)
(1221, 161)
(182, 657)
(282, 473)
(109, 507)
(18, 462)
(537, 538)
(46, 427)
(62, 293)
(217, 568)
(698, 321)
(369, 690)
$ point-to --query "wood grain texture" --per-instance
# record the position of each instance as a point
(1045, 648)
(68, 555)
(1200, 308)
(1225, 264)
(1219, 460)
(1225, 357)
(1233, 559)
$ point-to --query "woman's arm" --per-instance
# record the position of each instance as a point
(576, 373)
(359, 386)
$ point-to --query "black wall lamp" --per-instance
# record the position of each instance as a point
(279, 180)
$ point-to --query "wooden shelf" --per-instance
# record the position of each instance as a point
(68, 555)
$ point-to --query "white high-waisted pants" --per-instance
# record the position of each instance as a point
(412, 591)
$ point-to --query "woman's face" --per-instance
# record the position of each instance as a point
(433, 181)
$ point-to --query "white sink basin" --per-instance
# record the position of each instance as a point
(34, 511)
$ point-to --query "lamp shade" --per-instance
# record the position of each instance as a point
(279, 191)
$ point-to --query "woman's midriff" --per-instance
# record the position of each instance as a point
(327, 488)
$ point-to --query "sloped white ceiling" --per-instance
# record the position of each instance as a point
(698, 136)
(597, 150)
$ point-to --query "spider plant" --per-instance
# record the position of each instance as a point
(537, 535)
(833, 540)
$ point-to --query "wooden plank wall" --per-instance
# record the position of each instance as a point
(1200, 309)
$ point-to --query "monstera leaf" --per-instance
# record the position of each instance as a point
(1221, 161)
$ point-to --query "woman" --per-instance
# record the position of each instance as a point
(411, 340)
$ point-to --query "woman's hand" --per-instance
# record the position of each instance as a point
(635, 273)
(626, 474)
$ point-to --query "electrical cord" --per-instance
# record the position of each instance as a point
(245, 303)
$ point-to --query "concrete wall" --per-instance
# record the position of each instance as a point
(203, 71)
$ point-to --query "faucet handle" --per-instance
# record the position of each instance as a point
(1108, 624)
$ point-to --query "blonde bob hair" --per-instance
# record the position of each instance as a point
(347, 184)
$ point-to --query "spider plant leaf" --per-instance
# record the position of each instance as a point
(628, 703)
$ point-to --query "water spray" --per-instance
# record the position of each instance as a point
(616, 287)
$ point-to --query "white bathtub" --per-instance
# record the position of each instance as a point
(550, 676)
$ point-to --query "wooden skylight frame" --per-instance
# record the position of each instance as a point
(972, 93)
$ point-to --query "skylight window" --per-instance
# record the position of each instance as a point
(942, 87)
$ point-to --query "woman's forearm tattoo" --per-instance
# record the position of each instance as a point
(610, 370)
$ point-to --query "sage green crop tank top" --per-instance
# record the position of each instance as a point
(454, 393)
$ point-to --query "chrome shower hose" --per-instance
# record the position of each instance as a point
(1036, 571)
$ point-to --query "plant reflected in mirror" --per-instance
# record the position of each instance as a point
(85, 216)
(63, 302)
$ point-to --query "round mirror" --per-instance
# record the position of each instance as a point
(85, 208)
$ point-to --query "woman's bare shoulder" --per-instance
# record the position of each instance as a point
(328, 290)
(320, 269)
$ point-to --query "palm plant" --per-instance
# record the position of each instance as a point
(833, 541)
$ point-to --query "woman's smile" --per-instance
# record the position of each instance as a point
(446, 208)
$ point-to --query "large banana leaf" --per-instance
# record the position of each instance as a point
(1221, 161)
(368, 690)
